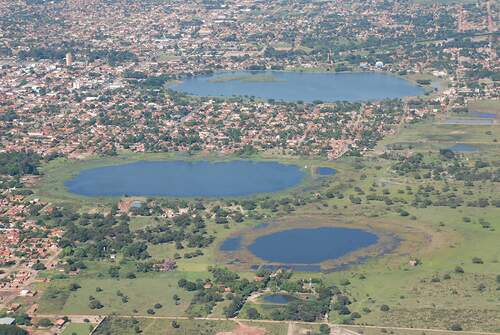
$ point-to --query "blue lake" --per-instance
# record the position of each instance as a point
(296, 86)
(461, 147)
(186, 178)
(484, 115)
(310, 245)
(325, 171)
(280, 299)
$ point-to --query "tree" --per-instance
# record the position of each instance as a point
(384, 308)
(253, 314)
(12, 330)
(114, 271)
(74, 286)
(477, 260)
(44, 323)
(19, 163)
(38, 266)
(95, 304)
(324, 329)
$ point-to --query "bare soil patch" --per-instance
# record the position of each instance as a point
(243, 329)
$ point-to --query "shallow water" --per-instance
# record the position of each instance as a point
(231, 244)
(462, 147)
(325, 171)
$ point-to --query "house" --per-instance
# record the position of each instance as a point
(59, 323)
(14, 307)
(7, 321)
(166, 266)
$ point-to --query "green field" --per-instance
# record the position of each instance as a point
(142, 294)
(78, 329)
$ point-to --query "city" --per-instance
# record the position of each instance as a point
(148, 147)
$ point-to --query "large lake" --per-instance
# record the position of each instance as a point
(186, 178)
(310, 245)
(304, 86)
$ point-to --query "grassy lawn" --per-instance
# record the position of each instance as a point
(485, 106)
(78, 329)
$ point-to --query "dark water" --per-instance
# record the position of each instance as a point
(231, 244)
(281, 299)
(186, 179)
(310, 245)
(294, 267)
(484, 115)
(304, 86)
(461, 147)
(325, 171)
(471, 122)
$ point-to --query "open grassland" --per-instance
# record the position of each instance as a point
(141, 294)
(78, 329)
(485, 106)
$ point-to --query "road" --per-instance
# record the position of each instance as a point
(80, 318)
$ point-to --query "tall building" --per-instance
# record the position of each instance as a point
(69, 59)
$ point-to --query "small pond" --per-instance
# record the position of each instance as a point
(462, 147)
(310, 245)
(280, 299)
(483, 115)
(469, 122)
(179, 178)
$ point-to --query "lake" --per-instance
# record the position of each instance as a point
(462, 147)
(310, 245)
(300, 86)
(179, 178)
(279, 299)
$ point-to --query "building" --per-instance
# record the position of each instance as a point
(7, 321)
(69, 59)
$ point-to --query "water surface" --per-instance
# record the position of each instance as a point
(471, 122)
(179, 178)
(280, 299)
(310, 245)
(231, 244)
(325, 171)
(462, 147)
(300, 86)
